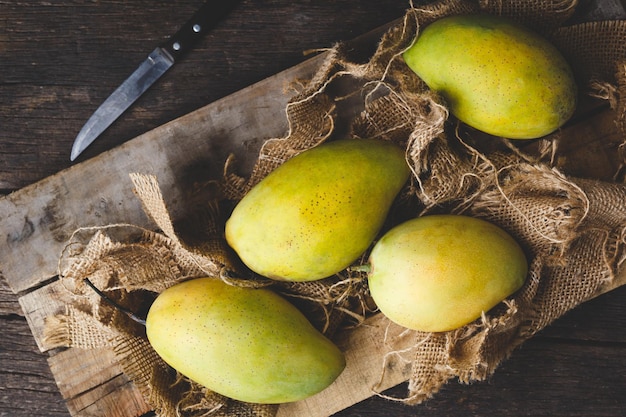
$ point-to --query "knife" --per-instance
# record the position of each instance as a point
(151, 69)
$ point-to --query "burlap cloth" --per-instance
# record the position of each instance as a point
(573, 229)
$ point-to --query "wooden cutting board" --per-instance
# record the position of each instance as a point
(39, 219)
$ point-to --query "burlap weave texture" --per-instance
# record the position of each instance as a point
(573, 229)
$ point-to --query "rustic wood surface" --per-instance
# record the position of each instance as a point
(59, 60)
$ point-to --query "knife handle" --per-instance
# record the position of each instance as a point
(200, 23)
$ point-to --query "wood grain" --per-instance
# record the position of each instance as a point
(62, 59)
(26, 382)
(365, 358)
(59, 60)
(42, 217)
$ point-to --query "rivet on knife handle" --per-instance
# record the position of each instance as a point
(201, 22)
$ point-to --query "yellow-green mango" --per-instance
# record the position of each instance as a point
(247, 344)
(496, 75)
(439, 272)
(319, 211)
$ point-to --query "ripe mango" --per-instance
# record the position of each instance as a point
(439, 272)
(247, 344)
(319, 211)
(496, 75)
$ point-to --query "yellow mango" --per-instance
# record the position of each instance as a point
(247, 344)
(495, 75)
(319, 211)
(439, 272)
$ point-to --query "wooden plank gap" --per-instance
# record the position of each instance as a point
(118, 397)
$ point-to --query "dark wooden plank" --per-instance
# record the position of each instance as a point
(36, 310)
(572, 368)
(39, 219)
(8, 301)
(54, 75)
(599, 321)
(61, 59)
(589, 351)
(27, 387)
(542, 379)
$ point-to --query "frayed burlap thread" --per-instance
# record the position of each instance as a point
(311, 121)
(131, 272)
(573, 230)
(548, 212)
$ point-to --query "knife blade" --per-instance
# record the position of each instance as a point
(161, 59)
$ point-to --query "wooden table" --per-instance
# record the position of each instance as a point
(59, 60)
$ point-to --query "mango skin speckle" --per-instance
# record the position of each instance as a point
(319, 211)
(439, 272)
(247, 344)
(496, 75)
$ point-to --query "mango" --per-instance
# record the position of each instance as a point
(319, 211)
(495, 75)
(440, 272)
(248, 344)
